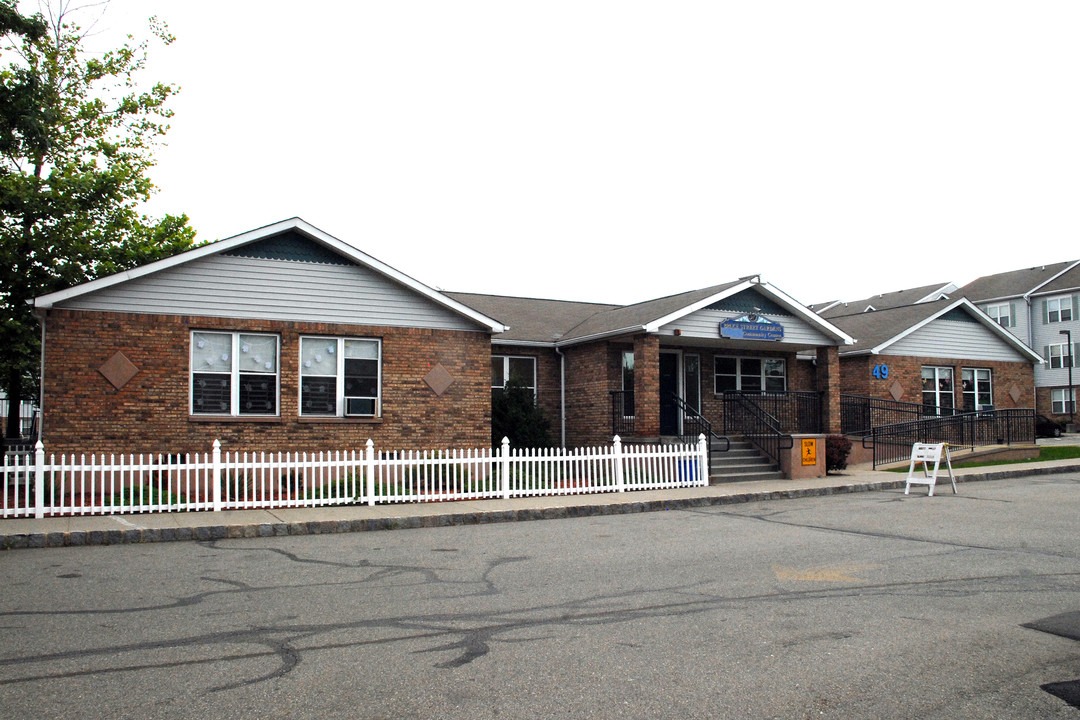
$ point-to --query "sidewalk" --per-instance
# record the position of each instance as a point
(168, 527)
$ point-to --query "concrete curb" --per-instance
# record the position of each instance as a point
(207, 533)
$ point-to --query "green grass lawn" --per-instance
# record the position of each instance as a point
(1055, 452)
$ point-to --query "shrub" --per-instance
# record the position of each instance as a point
(837, 449)
(515, 415)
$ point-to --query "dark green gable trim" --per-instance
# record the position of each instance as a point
(289, 246)
(959, 315)
(749, 301)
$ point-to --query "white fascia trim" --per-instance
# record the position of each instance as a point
(979, 315)
(807, 314)
(600, 336)
(783, 298)
(942, 293)
(363, 258)
(655, 325)
(523, 343)
(1035, 289)
(830, 306)
(214, 248)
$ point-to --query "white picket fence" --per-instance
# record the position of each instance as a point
(38, 486)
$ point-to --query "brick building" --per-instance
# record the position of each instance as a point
(286, 338)
(647, 370)
(944, 354)
(282, 338)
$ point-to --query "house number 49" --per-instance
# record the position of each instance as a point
(881, 371)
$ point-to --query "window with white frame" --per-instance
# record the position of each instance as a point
(1063, 401)
(340, 377)
(628, 383)
(1002, 314)
(749, 374)
(234, 374)
(1059, 309)
(516, 369)
(937, 390)
(976, 385)
(1057, 356)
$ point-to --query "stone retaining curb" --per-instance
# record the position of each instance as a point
(206, 533)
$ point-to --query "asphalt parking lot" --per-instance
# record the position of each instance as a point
(863, 605)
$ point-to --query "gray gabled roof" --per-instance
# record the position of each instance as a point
(558, 322)
(531, 320)
(1018, 283)
(876, 331)
(327, 242)
(883, 301)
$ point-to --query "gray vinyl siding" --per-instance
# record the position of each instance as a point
(959, 340)
(1045, 334)
(255, 288)
(706, 324)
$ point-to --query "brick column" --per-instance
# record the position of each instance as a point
(828, 384)
(647, 386)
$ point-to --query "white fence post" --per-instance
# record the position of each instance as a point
(703, 460)
(39, 480)
(369, 471)
(617, 454)
(504, 469)
(215, 476)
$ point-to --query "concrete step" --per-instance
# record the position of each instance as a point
(744, 477)
(741, 462)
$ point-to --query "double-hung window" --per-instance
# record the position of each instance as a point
(937, 390)
(1059, 309)
(518, 370)
(749, 374)
(978, 393)
(234, 374)
(1063, 401)
(1002, 314)
(340, 377)
(1058, 355)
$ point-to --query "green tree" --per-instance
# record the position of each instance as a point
(77, 136)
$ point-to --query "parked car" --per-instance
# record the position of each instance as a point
(1045, 427)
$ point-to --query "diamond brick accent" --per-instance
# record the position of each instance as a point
(897, 391)
(118, 370)
(439, 379)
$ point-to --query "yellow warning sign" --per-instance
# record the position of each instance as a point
(809, 451)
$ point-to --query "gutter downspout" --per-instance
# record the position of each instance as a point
(1035, 372)
(562, 396)
(41, 379)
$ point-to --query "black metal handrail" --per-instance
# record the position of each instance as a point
(744, 417)
(695, 424)
(859, 414)
(892, 443)
(795, 411)
(623, 420)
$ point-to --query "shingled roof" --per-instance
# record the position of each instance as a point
(887, 300)
(1017, 283)
(535, 321)
(875, 331)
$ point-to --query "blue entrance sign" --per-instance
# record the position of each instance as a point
(751, 327)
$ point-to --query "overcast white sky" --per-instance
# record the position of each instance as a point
(620, 151)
